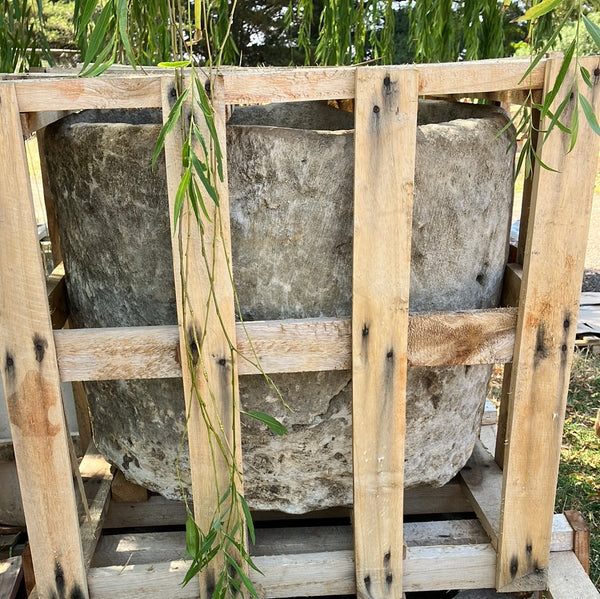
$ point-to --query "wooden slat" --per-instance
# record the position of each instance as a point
(11, 575)
(206, 317)
(99, 474)
(158, 511)
(152, 547)
(289, 85)
(581, 538)
(31, 378)
(482, 481)
(57, 297)
(258, 86)
(545, 335)
(310, 345)
(567, 579)
(81, 93)
(309, 574)
(34, 121)
(511, 288)
(385, 143)
(477, 337)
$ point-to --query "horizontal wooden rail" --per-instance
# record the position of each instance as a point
(257, 86)
(441, 339)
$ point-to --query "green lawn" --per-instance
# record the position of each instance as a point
(579, 474)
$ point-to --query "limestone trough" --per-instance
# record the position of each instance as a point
(290, 170)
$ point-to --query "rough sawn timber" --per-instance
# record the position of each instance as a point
(31, 379)
(385, 146)
(258, 86)
(209, 364)
(312, 344)
(546, 326)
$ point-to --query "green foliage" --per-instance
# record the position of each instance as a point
(579, 473)
(22, 42)
(446, 30)
(58, 23)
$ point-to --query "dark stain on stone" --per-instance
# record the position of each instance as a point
(39, 345)
(435, 401)
(126, 461)
(514, 565)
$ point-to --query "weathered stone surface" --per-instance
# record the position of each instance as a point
(291, 204)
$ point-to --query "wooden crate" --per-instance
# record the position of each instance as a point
(513, 495)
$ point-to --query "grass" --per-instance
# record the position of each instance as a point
(579, 473)
(578, 485)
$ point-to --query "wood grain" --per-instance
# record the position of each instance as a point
(308, 345)
(206, 318)
(309, 574)
(30, 376)
(385, 144)
(549, 303)
(258, 86)
(11, 575)
(98, 474)
(567, 579)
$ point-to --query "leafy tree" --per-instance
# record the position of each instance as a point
(22, 43)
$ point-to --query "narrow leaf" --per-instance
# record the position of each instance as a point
(180, 195)
(84, 16)
(585, 75)
(98, 34)
(168, 126)
(192, 536)
(210, 189)
(588, 110)
(541, 162)
(554, 117)
(178, 64)
(564, 67)
(248, 517)
(274, 425)
(200, 201)
(547, 47)
(540, 9)
(247, 583)
(122, 6)
(593, 30)
(574, 126)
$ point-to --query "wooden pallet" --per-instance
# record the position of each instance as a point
(513, 495)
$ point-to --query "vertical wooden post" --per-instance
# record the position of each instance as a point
(218, 389)
(524, 221)
(31, 378)
(546, 326)
(385, 145)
